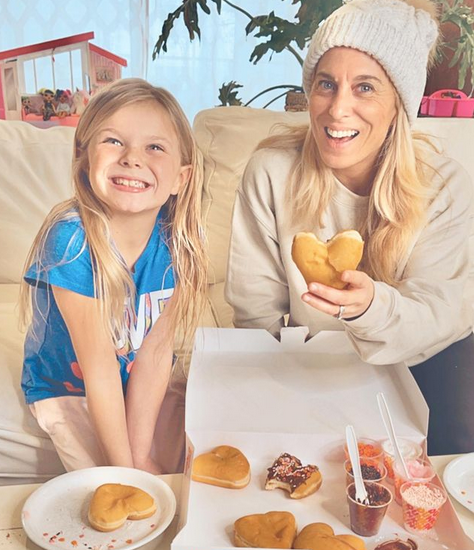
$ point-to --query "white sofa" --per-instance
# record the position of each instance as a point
(35, 175)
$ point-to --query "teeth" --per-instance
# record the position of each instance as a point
(130, 183)
(341, 133)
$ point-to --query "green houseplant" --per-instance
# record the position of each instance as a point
(277, 35)
(457, 44)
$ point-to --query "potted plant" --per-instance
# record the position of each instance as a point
(277, 35)
(450, 85)
(456, 50)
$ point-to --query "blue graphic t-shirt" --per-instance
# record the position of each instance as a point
(50, 367)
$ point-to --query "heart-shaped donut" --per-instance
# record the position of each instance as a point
(112, 504)
(224, 466)
(320, 536)
(270, 530)
(324, 262)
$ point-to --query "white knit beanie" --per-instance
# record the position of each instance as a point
(398, 34)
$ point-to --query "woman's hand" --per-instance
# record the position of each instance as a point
(356, 298)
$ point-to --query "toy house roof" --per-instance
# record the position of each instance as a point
(67, 41)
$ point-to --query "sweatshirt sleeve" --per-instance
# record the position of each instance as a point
(256, 285)
(421, 315)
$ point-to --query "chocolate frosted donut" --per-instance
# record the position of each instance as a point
(288, 473)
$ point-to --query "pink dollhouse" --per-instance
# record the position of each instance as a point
(72, 63)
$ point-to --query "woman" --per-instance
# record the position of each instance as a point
(359, 166)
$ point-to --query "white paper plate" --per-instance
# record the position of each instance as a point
(55, 515)
(458, 478)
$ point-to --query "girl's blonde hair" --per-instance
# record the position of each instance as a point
(181, 216)
(398, 198)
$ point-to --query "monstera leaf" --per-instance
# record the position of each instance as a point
(189, 11)
(228, 94)
(281, 34)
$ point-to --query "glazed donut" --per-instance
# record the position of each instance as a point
(112, 504)
(320, 536)
(324, 262)
(288, 473)
(224, 466)
(270, 530)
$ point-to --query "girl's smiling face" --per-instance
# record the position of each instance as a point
(135, 161)
(352, 106)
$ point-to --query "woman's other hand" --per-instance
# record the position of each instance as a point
(356, 297)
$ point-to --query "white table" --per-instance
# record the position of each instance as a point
(12, 498)
(465, 516)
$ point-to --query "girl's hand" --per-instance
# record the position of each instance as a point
(95, 353)
(356, 298)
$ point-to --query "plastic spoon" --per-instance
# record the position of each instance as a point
(353, 449)
(387, 420)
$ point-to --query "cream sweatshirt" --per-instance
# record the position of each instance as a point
(423, 314)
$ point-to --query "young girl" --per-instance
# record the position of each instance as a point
(111, 275)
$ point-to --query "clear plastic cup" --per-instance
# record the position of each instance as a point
(372, 470)
(408, 448)
(366, 519)
(368, 448)
(421, 505)
(420, 470)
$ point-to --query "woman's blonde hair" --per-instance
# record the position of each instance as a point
(398, 197)
(181, 216)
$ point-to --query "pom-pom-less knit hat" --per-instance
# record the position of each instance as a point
(399, 34)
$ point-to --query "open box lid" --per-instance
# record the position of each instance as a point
(265, 397)
(244, 380)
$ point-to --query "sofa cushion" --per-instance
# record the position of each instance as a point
(35, 174)
(227, 136)
(454, 137)
(221, 311)
(27, 453)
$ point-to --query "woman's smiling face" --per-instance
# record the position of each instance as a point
(352, 106)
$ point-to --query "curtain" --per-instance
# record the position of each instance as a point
(193, 72)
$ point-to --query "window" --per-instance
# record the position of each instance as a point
(193, 72)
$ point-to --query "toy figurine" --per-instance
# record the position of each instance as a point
(63, 108)
(26, 105)
(80, 99)
(48, 106)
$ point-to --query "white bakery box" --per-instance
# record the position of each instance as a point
(265, 397)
